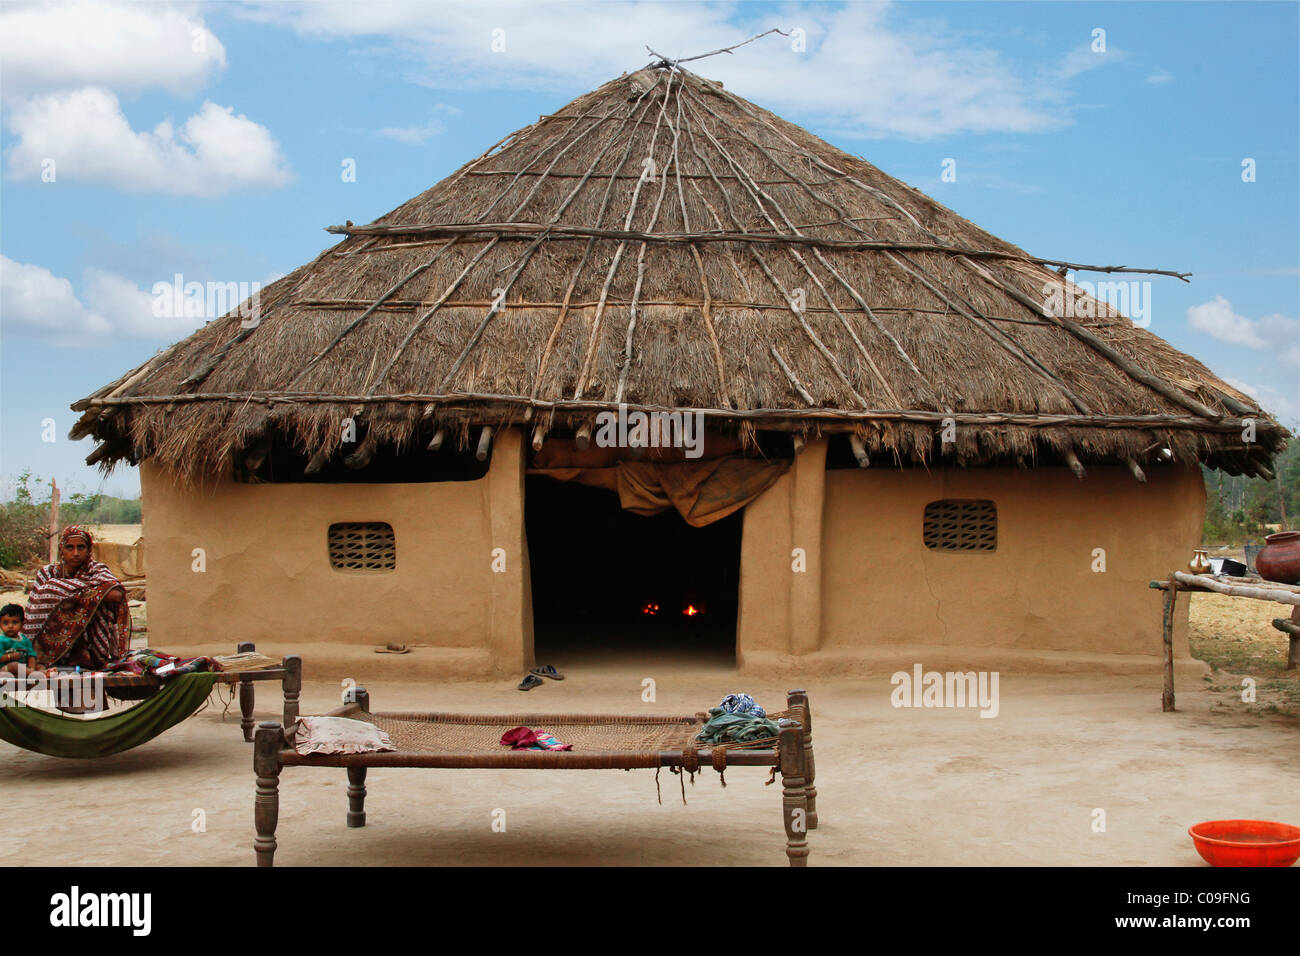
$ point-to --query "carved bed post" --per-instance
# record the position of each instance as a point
(292, 686)
(799, 697)
(356, 796)
(794, 796)
(246, 694)
(266, 803)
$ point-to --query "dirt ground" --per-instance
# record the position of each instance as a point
(896, 785)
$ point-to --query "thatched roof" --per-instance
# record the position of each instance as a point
(665, 243)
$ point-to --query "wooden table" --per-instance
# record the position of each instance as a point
(608, 741)
(1255, 587)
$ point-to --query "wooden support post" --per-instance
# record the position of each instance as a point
(54, 522)
(438, 438)
(1138, 473)
(484, 443)
(291, 684)
(582, 438)
(356, 796)
(799, 697)
(1293, 632)
(266, 803)
(794, 795)
(539, 436)
(1171, 600)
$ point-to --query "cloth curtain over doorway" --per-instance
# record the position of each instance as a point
(702, 491)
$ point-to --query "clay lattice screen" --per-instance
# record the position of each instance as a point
(956, 525)
(362, 546)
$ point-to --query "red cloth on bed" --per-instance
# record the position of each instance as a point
(521, 738)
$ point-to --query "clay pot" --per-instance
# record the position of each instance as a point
(1279, 559)
(1200, 563)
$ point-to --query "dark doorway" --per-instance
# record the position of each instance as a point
(610, 584)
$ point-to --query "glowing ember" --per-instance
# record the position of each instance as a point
(651, 608)
(690, 610)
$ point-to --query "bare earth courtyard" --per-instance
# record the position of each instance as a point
(897, 786)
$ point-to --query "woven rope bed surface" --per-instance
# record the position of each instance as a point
(466, 734)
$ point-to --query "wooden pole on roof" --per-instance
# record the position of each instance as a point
(859, 449)
(1076, 466)
(484, 443)
(438, 438)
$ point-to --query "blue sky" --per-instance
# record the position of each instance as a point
(1127, 154)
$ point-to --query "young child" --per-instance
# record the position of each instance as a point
(16, 651)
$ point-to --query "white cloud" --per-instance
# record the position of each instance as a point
(86, 135)
(123, 46)
(413, 135)
(1084, 58)
(862, 73)
(33, 299)
(1277, 333)
(38, 304)
(1160, 76)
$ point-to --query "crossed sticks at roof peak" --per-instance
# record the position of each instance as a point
(668, 63)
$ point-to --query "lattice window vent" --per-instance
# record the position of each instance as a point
(362, 546)
(954, 525)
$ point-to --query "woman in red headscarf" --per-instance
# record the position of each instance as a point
(77, 613)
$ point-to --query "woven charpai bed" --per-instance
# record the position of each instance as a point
(600, 741)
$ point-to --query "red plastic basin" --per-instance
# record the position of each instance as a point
(1246, 842)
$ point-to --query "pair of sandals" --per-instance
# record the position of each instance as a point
(535, 674)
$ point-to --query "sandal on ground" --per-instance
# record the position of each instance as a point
(546, 670)
(530, 681)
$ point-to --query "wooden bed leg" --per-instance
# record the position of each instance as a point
(799, 696)
(266, 804)
(356, 796)
(794, 795)
(292, 687)
(247, 698)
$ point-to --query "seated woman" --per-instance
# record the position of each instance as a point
(77, 613)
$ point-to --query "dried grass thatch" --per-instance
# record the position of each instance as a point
(664, 243)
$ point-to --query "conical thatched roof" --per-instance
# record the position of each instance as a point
(664, 243)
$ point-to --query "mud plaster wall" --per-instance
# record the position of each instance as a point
(879, 585)
(268, 574)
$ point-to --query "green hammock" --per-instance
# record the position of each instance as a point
(58, 736)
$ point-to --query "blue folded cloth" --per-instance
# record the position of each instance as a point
(741, 704)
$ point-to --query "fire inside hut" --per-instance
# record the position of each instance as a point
(617, 581)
